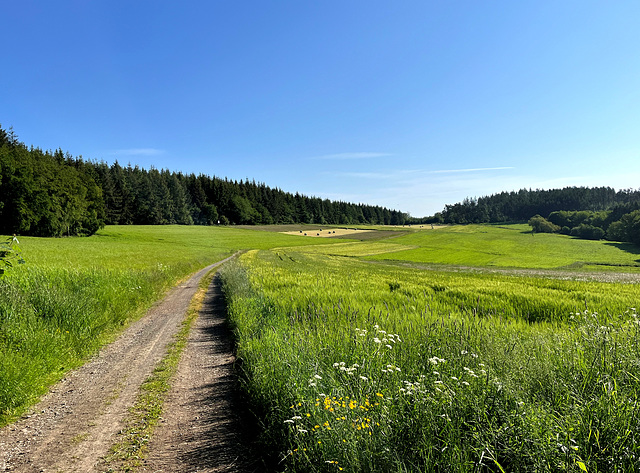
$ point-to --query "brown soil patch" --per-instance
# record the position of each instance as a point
(328, 232)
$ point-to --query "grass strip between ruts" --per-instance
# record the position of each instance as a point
(131, 448)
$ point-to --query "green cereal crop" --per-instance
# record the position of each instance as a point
(353, 366)
(511, 246)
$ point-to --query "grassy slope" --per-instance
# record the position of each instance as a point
(75, 294)
(141, 247)
(510, 246)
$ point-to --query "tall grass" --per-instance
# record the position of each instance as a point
(51, 320)
(358, 367)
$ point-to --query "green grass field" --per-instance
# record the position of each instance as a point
(508, 246)
(75, 294)
(358, 357)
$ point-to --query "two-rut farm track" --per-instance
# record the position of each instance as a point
(73, 427)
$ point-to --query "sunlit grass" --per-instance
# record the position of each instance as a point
(75, 294)
(364, 366)
(509, 246)
(372, 368)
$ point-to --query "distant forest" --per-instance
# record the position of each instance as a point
(45, 193)
(584, 212)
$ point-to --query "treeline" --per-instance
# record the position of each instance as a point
(522, 205)
(45, 193)
(584, 212)
(619, 224)
(42, 195)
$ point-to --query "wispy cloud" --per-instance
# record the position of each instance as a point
(362, 175)
(443, 171)
(137, 152)
(352, 156)
(387, 175)
(394, 174)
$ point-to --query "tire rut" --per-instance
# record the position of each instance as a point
(200, 429)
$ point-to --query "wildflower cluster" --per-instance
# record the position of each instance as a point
(361, 402)
(342, 366)
(313, 381)
(385, 339)
(333, 425)
(345, 411)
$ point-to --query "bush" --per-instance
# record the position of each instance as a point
(588, 232)
(542, 225)
(626, 229)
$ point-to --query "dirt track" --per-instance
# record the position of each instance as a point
(199, 430)
(76, 423)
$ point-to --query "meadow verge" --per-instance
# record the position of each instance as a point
(51, 320)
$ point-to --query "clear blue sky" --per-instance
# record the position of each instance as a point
(406, 104)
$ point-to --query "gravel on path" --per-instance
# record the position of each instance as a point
(74, 425)
(200, 429)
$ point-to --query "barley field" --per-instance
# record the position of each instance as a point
(351, 365)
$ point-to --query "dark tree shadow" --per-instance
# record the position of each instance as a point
(225, 444)
(626, 247)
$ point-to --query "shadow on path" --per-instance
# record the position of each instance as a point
(202, 429)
